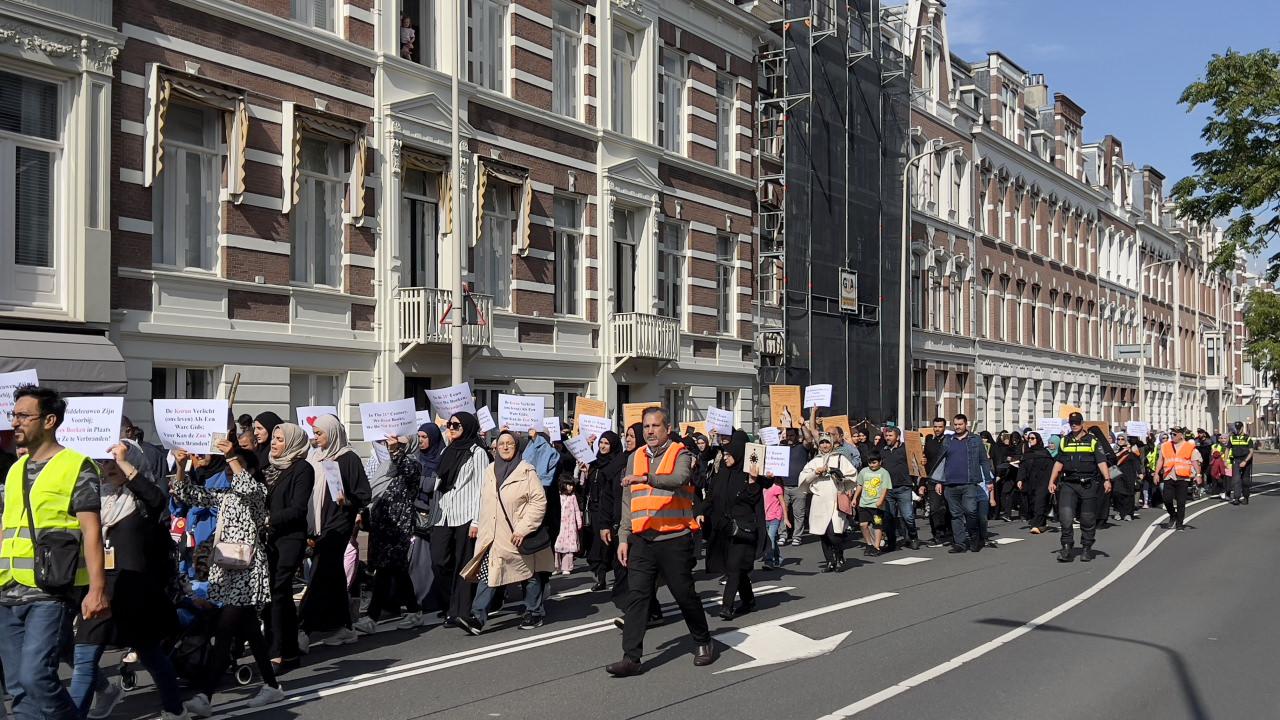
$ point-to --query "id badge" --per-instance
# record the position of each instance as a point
(109, 558)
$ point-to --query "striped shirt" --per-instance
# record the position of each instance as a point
(460, 505)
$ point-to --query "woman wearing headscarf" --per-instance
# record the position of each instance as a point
(264, 426)
(325, 608)
(390, 525)
(513, 506)
(732, 519)
(240, 592)
(141, 568)
(826, 476)
(453, 510)
(289, 479)
(1103, 501)
(430, 448)
(1034, 470)
(601, 475)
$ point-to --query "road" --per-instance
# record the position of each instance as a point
(1161, 624)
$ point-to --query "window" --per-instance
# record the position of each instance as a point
(493, 253)
(419, 204)
(726, 281)
(624, 261)
(957, 180)
(675, 397)
(487, 392)
(929, 79)
(488, 44)
(771, 282)
(728, 400)
(174, 383)
(568, 255)
(421, 20)
(30, 154)
(307, 389)
(622, 71)
(566, 41)
(185, 199)
(918, 280)
(671, 100)
(670, 265)
(317, 218)
(1009, 111)
(725, 125)
(564, 401)
(316, 13)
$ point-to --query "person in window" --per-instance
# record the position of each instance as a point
(408, 37)
(453, 510)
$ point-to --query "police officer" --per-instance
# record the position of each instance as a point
(1082, 469)
(1242, 473)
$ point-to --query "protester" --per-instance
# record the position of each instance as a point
(1034, 470)
(633, 442)
(963, 470)
(797, 499)
(900, 511)
(826, 478)
(289, 480)
(264, 426)
(935, 503)
(391, 520)
(731, 515)
(453, 512)
(602, 476)
(567, 544)
(873, 483)
(776, 519)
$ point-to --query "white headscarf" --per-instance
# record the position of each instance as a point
(118, 501)
(337, 434)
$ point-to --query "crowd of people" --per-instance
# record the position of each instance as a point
(188, 558)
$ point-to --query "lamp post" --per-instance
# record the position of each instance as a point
(1142, 359)
(904, 331)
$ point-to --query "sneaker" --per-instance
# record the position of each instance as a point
(914, 544)
(412, 620)
(304, 643)
(198, 706)
(471, 624)
(365, 625)
(166, 715)
(795, 540)
(342, 636)
(267, 696)
(106, 699)
(935, 543)
(531, 621)
(768, 565)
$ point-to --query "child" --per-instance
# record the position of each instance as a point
(873, 488)
(570, 526)
(407, 37)
(775, 516)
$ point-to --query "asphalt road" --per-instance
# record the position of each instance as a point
(1161, 624)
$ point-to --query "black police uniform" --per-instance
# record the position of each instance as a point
(1079, 485)
(1241, 477)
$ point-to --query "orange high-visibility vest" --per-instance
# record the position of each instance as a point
(662, 511)
(1178, 460)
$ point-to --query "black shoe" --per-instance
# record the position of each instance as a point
(704, 655)
(654, 620)
(1235, 502)
(1179, 527)
(873, 552)
(449, 622)
(726, 613)
(470, 624)
(828, 568)
(599, 585)
(1086, 554)
(1245, 501)
(975, 546)
(866, 552)
(1166, 525)
(745, 608)
(1064, 555)
(619, 623)
(624, 668)
(935, 543)
(914, 544)
(955, 549)
(992, 544)
(531, 621)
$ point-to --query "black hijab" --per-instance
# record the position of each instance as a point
(611, 462)
(1036, 450)
(429, 459)
(502, 469)
(458, 452)
(217, 464)
(736, 449)
(637, 430)
(269, 421)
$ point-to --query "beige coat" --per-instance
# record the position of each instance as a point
(526, 502)
(823, 489)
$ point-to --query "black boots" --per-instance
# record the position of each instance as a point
(1064, 555)
(1086, 554)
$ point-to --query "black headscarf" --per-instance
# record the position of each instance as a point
(736, 449)
(1034, 450)
(637, 430)
(458, 452)
(502, 469)
(217, 464)
(608, 463)
(429, 459)
(269, 421)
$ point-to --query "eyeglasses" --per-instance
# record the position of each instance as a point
(24, 417)
(453, 425)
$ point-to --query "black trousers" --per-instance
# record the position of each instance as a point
(1241, 481)
(392, 590)
(1076, 500)
(325, 605)
(284, 557)
(451, 549)
(1038, 494)
(939, 515)
(738, 582)
(234, 626)
(832, 545)
(673, 561)
(1123, 503)
(1174, 492)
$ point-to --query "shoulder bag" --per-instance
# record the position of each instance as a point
(229, 555)
(57, 553)
(534, 542)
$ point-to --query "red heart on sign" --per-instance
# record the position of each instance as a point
(311, 421)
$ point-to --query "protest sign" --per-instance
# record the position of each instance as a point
(785, 408)
(396, 418)
(777, 460)
(11, 381)
(1137, 428)
(92, 425)
(633, 413)
(582, 452)
(588, 406)
(521, 413)
(915, 454)
(1050, 426)
(770, 436)
(755, 457)
(308, 414)
(486, 419)
(829, 424)
(1064, 411)
(422, 417)
(695, 427)
(190, 425)
(552, 426)
(590, 426)
(450, 400)
(719, 421)
(817, 396)
(333, 478)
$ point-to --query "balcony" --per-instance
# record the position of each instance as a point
(644, 336)
(419, 312)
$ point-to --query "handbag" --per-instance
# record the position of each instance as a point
(534, 542)
(229, 555)
(741, 534)
(844, 503)
(57, 554)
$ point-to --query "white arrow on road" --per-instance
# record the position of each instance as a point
(770, 643)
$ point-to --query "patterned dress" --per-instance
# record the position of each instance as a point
(391, 516)
(242, 512)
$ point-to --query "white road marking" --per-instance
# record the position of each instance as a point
(1139, 552)
(769, 642)
(569, 594)
(1007, 541)
(906, 561)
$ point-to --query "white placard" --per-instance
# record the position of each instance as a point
(308, 414)
(398, 418)
(486, 419)
(11, 381)
(817, 396)
(592, 426)
(190, 425)
(92, 425)
(552, 426)
(521, 413)
(422, 417)
(333, 478)
(719, 421)
(770, 436)
(1050, 426)
(754, 459)
(580, 449)
(1137, 428)
(777, 460)
(453, 399)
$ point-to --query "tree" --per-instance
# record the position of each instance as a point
(1238, 177)
(1262, 325)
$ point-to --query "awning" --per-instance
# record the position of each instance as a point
(73, 363)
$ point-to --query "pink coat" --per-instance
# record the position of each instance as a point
(570, 525)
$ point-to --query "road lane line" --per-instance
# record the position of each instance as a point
(906, 561)
(1138, 553)
(1008, 540)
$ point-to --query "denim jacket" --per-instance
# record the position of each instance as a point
(544, 458)
(980, 470)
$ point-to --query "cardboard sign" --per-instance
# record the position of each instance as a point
(453, 399)
(785, 409)
(398, 418)
(588, 406)
(915, 453)
(1105, 428)
(1064, 411)
(11, 381)
(190, 425)
(521, 413)
(582, 452)
(633, 413)
(552, 426)
(695, 427)
(486, 419)
(777, 460)
(755, 457)
(333, 478)
(92, 425)
(719, 421)
(829, 424)
(1138, 429)
(308, 415)
(1050, 426)
(817, 396)
(770, 436)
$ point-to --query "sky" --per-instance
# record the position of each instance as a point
(1124, 61)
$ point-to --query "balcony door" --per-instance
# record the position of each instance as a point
(419, 252)
(624, 260)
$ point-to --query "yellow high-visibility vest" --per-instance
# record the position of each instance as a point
(50, 500)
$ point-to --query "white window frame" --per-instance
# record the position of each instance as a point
(171, 240)
(425, 37)
(726, 124)
(622, 78)
(568, 255)
(429, 205)
(492, 255)
(671, 87)
(304, 11)
(625, 233)
(306, 389)
(178, 383)
(330, 185)
(488, 66)
(727, 283)
(566, 62)
(671, 261)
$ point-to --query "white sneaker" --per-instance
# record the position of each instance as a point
(165, 715)
(411, 620)
(365, 625)
(267, 696)
(342, 636)
(198, 706)
(105, 700)
(304, 643)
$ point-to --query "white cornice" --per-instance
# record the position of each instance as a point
(283, 28)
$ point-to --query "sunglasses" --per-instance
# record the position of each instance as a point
(453, 425)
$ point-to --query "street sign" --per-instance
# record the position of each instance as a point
(769, 643)
(1132, 352)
